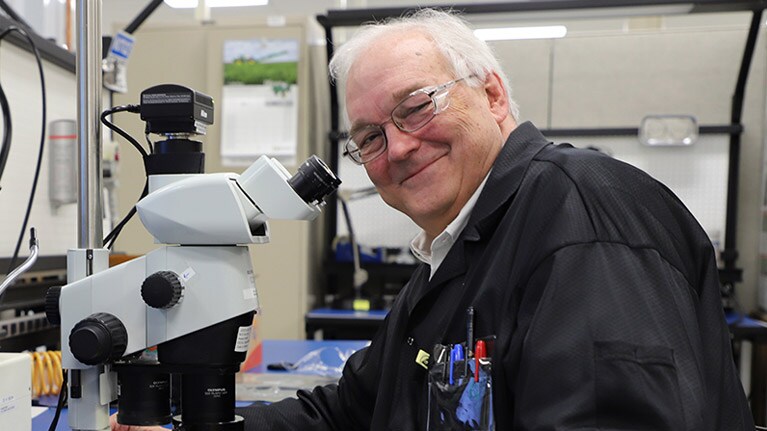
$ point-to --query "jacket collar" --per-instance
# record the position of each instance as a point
(509, 168)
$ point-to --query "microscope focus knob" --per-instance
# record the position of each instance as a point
(98, 338)
(163, 289)
(52, 305)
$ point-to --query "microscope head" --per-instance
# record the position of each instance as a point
(226, 208)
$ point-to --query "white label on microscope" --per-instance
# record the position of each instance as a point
(187, 274)
(250, 291)
(243, 339)
(216, 392)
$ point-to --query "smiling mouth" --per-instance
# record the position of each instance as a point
(423, 168)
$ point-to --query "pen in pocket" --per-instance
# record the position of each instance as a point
(479, 353)
(456, 355)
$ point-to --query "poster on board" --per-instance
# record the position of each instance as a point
(259, 113)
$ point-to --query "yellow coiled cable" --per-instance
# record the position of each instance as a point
(47, 375)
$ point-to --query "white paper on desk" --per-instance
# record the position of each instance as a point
(274, 387)
(37, 411)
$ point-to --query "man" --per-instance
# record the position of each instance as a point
(599, 286)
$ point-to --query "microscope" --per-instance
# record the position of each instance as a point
(194, 297)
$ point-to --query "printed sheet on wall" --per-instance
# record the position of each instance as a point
(259, 113)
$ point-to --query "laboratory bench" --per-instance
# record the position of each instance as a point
(281, 384)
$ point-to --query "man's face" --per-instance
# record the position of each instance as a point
(428, 174)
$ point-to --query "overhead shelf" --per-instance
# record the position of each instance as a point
(552, 9)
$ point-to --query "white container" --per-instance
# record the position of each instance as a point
(15, 391)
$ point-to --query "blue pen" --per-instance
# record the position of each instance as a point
(455, 355)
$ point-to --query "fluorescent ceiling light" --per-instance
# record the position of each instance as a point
(511, 33)
(583, 13)
(188, 4)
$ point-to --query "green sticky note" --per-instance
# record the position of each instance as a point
(422, 359)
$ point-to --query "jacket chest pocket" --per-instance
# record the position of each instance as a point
(638, 385)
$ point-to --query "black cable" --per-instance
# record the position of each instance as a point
(12, 14)
(60, 404)
(142, 16)
(130, 29)
(6, 141)
(119, 131)
(112, 237)
(42, 139)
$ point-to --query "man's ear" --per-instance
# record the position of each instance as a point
(497, 97)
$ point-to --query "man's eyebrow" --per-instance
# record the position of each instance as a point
(396, 97)
(356, 127)
(361, 125)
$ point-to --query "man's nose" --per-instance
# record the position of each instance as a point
(400, 144)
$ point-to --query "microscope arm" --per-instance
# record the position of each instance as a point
(212, 284)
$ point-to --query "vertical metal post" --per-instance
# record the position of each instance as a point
(334, 136)
(90, 231)
(89, 388)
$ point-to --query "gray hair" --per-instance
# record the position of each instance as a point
(467, 54)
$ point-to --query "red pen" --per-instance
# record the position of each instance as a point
(479, 353)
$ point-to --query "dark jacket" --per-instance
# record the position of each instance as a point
(602, 291)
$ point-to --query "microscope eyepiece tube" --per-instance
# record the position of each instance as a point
(314, 180)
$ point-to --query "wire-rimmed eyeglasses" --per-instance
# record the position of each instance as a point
(412, 113)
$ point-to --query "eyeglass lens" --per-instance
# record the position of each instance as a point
(414, 112)
(410, 115)
(369, 142)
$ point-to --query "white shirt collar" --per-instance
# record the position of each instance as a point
(433, 254)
